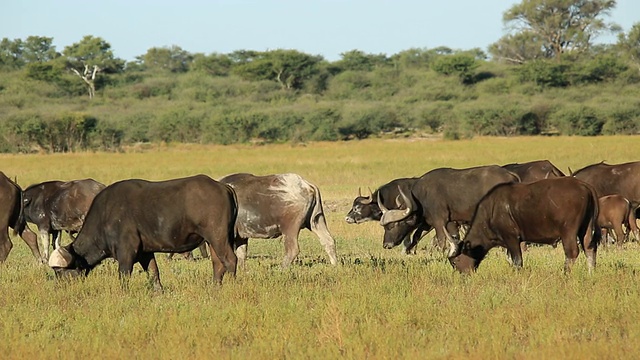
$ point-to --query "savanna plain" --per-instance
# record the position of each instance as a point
(375, 304)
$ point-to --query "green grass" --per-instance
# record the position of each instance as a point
(376, 304)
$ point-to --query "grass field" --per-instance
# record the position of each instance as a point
(376, 304)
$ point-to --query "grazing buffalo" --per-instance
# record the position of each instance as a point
(278, 205)
(614, 212)
(54, 206)
(11, 216)
(622, 179)
(534, 170)
(132, 219)
(366, 208)
(547, 211)
(442, 199)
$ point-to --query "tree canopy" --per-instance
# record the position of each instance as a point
(550, 28)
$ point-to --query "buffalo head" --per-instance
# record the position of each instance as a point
(363, 209)
(398, 223)
(466, 258)
(64, 263)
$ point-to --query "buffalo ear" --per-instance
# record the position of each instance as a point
(60, 258)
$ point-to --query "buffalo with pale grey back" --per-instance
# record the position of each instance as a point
(277, 205)
(442, 198)
(622, 179)
(11, 216)
(56, 206)
(614, 213)
(367, 208)
(131, 220)
(545, 212)
(534, 170)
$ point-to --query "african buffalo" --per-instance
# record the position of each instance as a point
(271, 206)
(547, 211)
(534, 170)
(131, 220)
(441, 198)
(622, 179)
(11, 216)
(366, 208)
(614, 212)
(54, 206)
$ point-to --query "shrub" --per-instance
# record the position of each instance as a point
(544, 73)
(623, 119)
(577, 119)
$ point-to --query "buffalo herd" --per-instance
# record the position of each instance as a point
(471, 211)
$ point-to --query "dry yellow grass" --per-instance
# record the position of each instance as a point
(376, 304)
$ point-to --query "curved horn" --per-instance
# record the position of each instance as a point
(359, 192)
(368, 198)
(381, 205)
(389, 216)
(456, 251)
(60, 258)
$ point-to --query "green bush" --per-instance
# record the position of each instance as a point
(544, 73)
(622, 119)
(492, 118)
(577, 119)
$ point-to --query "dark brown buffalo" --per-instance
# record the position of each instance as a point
(11, 216)
(545, 212)
(441, 199)
(56, 206)
(622, 179)
(132, 219)
(278, 205)
(366, 208)
(615, 211)
(534, 170)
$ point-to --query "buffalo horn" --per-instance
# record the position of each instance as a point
(60, 258)
(389, 216)
(368, 199)
(457, 251)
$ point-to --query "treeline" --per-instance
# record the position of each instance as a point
(85, 98)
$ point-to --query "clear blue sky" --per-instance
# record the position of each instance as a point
(326, 28)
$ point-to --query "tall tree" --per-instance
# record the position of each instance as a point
(358, 60)
(39, 49)
(11, 54)
(555, 26)
(89, 58)
(629, 43)
(173, 59)
(290, 68)
(214, 64)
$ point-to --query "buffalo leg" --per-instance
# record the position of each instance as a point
(291, 248)
(149, 264)
(203, 250)
(590, 245)
(5, 245)
(443, 235)
(32, 242)
(633, 225)
(125, 268)
(241, 245)
(617, 229)
(604, 234)
(44, 243)
(55, 241)
(410, 245)
(319, 227)
(222, 257)
(571, 251)
(515, 253)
